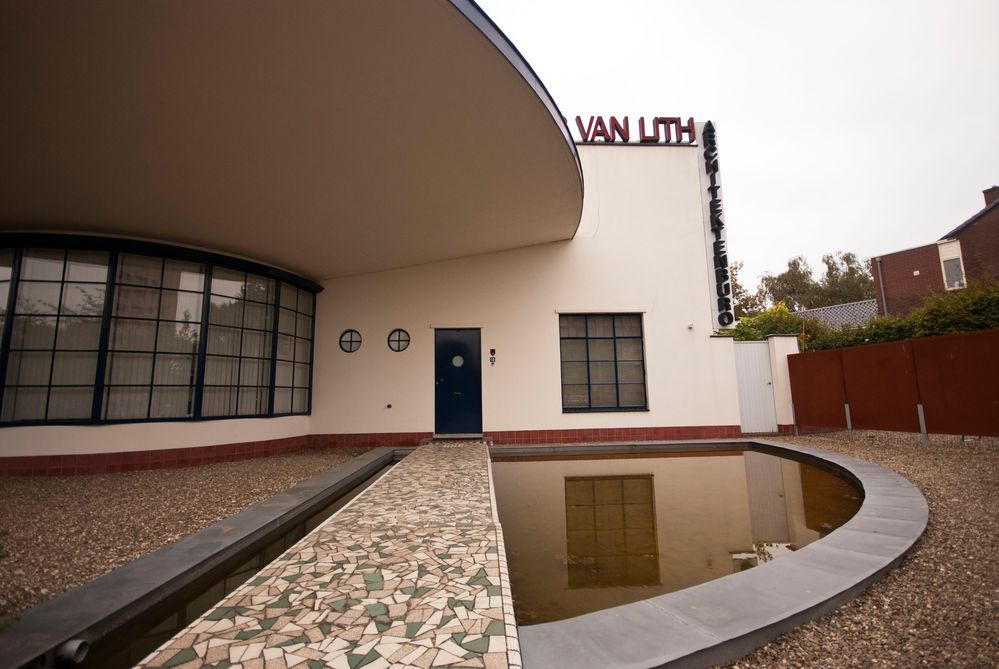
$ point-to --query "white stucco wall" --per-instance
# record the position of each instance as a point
(639, 248)
(780, 347)
(79, 439)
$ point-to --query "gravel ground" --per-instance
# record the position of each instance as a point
(938, 609)
(58, 532)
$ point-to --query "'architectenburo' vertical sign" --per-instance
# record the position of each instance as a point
(714, 229)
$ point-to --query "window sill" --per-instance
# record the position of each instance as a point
(130, 421)
(606, 410)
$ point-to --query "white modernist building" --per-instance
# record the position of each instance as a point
(235, 233)
(607, 331)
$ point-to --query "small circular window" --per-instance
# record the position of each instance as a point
(457, 361)
(350, 341)
(398, 340)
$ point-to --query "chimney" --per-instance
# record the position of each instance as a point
(991, 195)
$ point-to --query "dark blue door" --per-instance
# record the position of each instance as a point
(458, 406)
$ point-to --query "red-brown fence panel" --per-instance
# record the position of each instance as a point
(881, 386)
(959, 382)
(955, 377)
(817, 390)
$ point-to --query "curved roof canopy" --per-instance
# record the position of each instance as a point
(325, 137)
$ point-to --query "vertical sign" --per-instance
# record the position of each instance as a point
(714, 231)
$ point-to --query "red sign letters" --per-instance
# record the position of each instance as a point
(658, 130)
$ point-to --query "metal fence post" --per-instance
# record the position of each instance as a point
(925, 438)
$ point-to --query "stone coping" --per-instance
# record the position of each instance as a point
(126, 595)
(726, 618)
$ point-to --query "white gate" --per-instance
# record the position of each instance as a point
(756, 387)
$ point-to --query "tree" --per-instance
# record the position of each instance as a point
(846, 279)
(795, 286)
(746, 303)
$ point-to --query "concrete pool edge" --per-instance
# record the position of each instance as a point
(726, 618)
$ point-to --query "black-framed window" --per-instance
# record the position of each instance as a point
(294, 351)
(111, 335)
(350, 341)
(398, 340)
(603, 362)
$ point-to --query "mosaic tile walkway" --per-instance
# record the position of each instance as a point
(412, 573)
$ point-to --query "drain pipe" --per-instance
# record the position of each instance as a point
(881, 285)
(72, 652)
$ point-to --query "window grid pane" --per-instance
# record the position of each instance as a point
(294, 351)
(55, 334)
(238, 367)
(603, 362)
(155, 331)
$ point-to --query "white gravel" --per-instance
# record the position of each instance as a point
(59, 532)
(938, 609)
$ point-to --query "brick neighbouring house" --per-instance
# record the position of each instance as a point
(903, 279)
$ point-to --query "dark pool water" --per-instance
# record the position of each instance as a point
(588, 533)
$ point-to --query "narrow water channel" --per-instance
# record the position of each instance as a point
(136, 642)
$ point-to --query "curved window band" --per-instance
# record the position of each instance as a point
(92, 335)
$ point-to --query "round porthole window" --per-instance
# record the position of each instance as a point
(457, 361)
(350, 341)
(398, 340)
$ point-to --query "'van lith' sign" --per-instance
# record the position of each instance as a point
(649, 130)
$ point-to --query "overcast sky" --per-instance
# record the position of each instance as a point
(867, 126)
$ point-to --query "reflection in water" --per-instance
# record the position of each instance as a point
(610, 531)
(585, 534)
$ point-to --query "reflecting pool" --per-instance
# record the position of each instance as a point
(585, 533)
